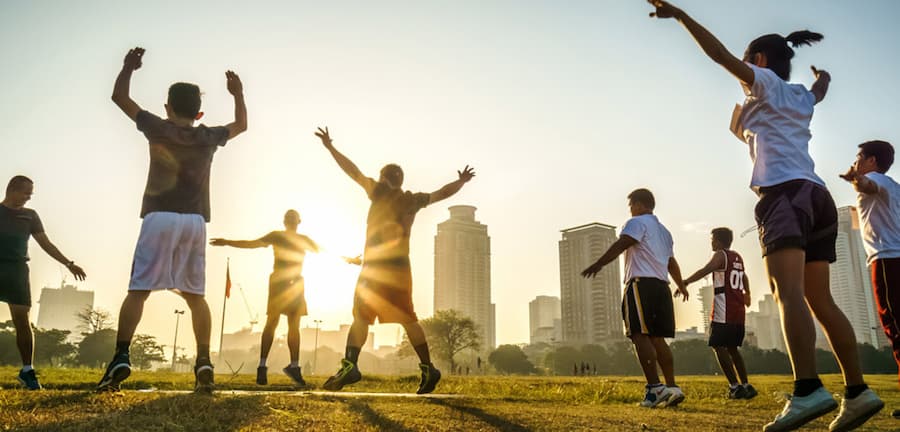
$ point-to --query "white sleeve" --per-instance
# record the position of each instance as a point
(635, 229)
(764, 81)
(883, 183)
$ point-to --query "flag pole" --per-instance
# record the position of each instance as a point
(225, 303)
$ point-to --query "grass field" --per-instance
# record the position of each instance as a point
(483, 404)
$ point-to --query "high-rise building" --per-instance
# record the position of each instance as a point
(462, 271)
(545, 320)
(59, 307)
(765, 325)
(707, 296)
(591, 308)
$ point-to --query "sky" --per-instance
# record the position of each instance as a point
(563, 108)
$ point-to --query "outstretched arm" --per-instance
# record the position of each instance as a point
(451, 188)
(243, 244)
(51, 250)
(675, 271)
(820, 87)
(624, 242)
(121, 91)
(346, 164)
(715, 263)
(236, 88)
(707, 41)
(861, 183)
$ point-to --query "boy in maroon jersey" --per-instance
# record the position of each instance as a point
(731, 290)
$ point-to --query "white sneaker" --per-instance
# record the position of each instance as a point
(656, 396)
(676, 398)
(799, 411)
(854, 412)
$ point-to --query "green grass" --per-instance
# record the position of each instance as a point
(487, 404)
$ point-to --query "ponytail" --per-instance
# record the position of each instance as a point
(803, 37)
(778, 51)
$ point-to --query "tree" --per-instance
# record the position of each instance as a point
(9, 352)
(448, 333)
(93, 320)
(96, 348)
(145, 350)
(510, 359)
(51, 347)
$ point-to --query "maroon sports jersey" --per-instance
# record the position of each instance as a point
(728, 288)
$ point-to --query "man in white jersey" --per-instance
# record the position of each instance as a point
(879, 215)
(647, 307)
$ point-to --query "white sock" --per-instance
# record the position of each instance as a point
(734, 386)
(746, 385)
(262, 362)
(27, 368)
(295, 363)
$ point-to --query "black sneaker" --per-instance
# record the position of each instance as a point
(896, 414)
(751, 392)
(116, 372)
(430, 378)
(294, 373)
(203, 377)
(262, 373)
(29, 380)
(346, 375)
(737, 392)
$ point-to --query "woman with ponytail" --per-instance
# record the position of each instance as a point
(796, 216)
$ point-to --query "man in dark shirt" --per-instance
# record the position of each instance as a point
(17, 224)
(286, 290)
(171, 248)
(384, 289)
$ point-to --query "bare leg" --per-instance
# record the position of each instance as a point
(200, 317)
(646, 354)
(739, 366)
(723, 355)
(417, 339)
(268, 335)
(359, 332)
(786, 278)
(835, 324)
(24, 337)
(293, 338)
(130, 314)
(665, 359)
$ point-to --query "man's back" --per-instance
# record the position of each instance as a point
(390, 220)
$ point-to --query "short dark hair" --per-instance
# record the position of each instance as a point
(882, 151)
(184, 99)
(724, 236)
(778, 52)
(17, 182)
(643, 196)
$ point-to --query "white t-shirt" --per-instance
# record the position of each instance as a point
(879, 215)
(650, 256)
(774, 122)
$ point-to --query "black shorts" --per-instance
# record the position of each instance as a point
(647, 308)
(797, 214)
(726, 335)
(286, 295)
(14, 286)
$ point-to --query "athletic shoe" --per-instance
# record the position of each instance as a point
(895, 414)
(294, 373)
(801, 410)
(657, 395)
(346, 375)
(750, 391)
(29, 380)
(116, 372)
(262, 375)
(430, 378)
(676, 398)
(737, 392)
(854, 412)
(203, 377)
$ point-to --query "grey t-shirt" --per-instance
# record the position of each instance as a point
(16, 226)
(180, 160)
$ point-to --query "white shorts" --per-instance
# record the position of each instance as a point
(170, 254)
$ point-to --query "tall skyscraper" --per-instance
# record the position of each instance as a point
(765, 324)
(706, 301)
(59, 307)
(462, 271)
(545, 320)
(591, 308)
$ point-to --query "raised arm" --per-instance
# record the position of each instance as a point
(236, 88)
(820, 87)
(675, 271)
(624, 242)
(346, 164)
(860, 183)
(715, 263)
(242, 244)
(52, 250)
(453, 187)
(121, 90)
(707, 41)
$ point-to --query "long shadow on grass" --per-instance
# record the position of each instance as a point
(491, 419)
(373, 417)
(178, 412)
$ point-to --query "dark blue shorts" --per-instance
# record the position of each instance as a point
(797, 214)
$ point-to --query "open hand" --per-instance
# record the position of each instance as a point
(820, 73)
(466, 174)
(663, 9)
(234, 84)
(77, 271)
(357, 260)
(133, 59)
(850, 175)
(682, 291)
(592, 270)
(324, 136)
